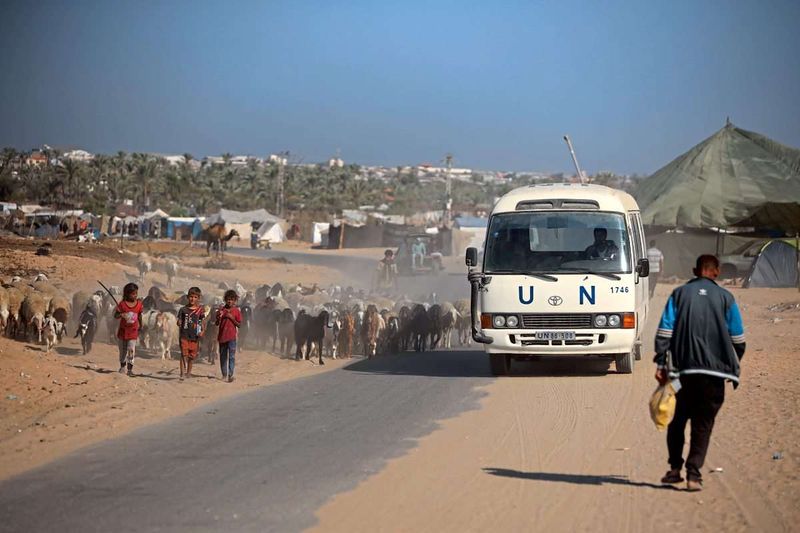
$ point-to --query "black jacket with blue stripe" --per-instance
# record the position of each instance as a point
(702, 327)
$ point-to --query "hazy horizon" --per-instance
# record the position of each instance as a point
(634, 85)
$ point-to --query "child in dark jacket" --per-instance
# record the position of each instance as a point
(190, 324)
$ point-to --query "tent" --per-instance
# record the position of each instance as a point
(228, 216)
(271, 232)
(242, 221)
(775, 266)
(320, 229)
(733, 178)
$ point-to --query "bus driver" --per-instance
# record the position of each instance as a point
(602, 248)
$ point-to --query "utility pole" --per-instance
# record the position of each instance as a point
(283, 159)
(448, 159)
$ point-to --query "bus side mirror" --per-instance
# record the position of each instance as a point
(472, 257)
(643, 268)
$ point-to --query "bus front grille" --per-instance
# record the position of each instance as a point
(557, 321)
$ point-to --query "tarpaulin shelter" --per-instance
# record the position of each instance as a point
(243, 222)
(183, 228)
(319, 234)
(733, 178)
(271, 232)
(775, 266)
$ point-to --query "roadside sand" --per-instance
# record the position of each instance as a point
(563, 446)
(52, 404)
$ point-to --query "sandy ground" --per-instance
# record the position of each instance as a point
(565, 446)
(54, 403)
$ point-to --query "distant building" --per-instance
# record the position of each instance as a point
(335, 162)
(78, 155)
(277, 159)
(36, 158)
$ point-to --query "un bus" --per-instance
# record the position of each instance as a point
(564, 273)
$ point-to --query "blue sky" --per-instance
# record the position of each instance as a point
(496, 83)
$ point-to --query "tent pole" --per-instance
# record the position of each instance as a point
(797, 256)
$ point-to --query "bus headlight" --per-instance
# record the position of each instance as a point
(613, 321)
(512, 321)
(600, 321)
(499, 321)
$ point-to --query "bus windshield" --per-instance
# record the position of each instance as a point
(557, 242)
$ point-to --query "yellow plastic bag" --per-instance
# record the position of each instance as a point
(662, 405)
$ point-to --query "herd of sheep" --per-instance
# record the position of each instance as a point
(286, 319)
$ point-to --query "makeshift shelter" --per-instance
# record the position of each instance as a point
(775, 266)
(270, 232)
(242, 221)
(319, 235)
(468, 232)
(733, 178)
(183, 228)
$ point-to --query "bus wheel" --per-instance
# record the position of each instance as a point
(500, 364)
(624, 363)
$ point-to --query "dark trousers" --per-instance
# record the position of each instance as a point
(699, 400)
(227, 357)
(653, 281)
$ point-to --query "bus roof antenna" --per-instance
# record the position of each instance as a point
(574, 158)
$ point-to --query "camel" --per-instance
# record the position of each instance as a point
(215, 236)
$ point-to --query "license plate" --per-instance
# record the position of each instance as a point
(555, 335)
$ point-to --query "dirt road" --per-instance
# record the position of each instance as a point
(568, 447)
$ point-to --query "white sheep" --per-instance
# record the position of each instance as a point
(15, 298)
(166, 333)
(172, 271)
(60, 310)
(33, 310)
(144, 264)
(50, 332)
(4, 313)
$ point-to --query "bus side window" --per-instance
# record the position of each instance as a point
(636, 238)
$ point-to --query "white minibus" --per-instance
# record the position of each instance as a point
(564, 273)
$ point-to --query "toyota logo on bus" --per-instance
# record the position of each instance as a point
(555, 300)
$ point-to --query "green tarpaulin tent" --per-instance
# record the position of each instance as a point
(735, 178)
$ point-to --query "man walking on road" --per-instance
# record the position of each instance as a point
(702, 329)
(656, 259)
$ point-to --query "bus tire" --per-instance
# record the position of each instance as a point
(624, 363)
(500, 364)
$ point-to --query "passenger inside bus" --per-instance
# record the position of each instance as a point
(602, 248)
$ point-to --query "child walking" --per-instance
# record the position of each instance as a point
(129, 313)
(190, 323)
(228, 318)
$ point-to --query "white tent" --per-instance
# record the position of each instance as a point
(272, 232)
(320, 228)
(228, 216)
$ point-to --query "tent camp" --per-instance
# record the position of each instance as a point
(270, 232)
(775, 266)
(733, 178)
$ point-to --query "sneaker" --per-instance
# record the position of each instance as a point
(122, 369)
(224, 377)
(672, 477)
(694, 485)
(230, 379)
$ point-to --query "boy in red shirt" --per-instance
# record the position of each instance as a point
(129, 313)
(190, 324)
(229, 318)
